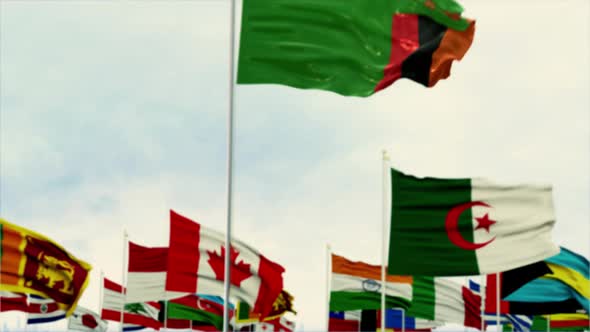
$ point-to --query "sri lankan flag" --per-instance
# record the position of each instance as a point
(353, 47)
(33, 264)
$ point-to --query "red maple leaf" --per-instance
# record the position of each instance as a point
(238, 272)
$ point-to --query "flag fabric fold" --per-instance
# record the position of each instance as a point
(196, 265)
(454, 227)
(559, 284)
(352, 48)
(357, 285)
(33, 264)
(146, 277)
(556, 298)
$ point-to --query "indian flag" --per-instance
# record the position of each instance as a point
(357, 285)
(446, 227)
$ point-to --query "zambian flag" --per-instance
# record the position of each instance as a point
(352, 47)
(33, 264)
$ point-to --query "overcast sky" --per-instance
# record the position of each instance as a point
(113, 112)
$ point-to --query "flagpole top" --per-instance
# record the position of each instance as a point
(385, 155)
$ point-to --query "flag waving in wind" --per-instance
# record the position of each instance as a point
(446, 227)
(196, 265)
(353, 48)
(33, 264)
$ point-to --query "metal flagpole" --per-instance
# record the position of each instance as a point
(123, 281)
(548, 323)
(499, 327)
(403, 320)
(230, 153)
(385, 167)
(165, 315)
(328, 274)
(27, 313)
(482, 293)
(100, 295)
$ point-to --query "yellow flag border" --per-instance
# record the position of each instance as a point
(19, 289)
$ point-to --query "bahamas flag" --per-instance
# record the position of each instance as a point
(30, 263)
(568, 279)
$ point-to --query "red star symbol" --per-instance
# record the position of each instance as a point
(484, 222)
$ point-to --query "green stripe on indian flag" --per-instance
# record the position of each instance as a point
(449, 227)
(357, 285)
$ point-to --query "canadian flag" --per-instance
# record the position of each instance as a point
(196, 265)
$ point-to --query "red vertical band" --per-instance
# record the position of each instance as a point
(491, 295)
(271, 285)
(404, 41)
(183, 254)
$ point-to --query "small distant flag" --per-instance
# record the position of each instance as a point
(520, 323)
(43, 310)
(30, 263)
(443, 300)
(397, 319)
(86, 320)
(357, 285)
(13, 301)
(562, 322)
(195, 308)
(142, 314)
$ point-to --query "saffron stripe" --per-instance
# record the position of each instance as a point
(342, 265)
(13, 259)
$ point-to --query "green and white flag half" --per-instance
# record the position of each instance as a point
(447, 227)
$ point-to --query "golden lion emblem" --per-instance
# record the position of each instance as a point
(56, 274)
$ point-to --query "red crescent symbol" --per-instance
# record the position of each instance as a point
(451, 224)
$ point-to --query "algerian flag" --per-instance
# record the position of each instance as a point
(445, 227)
(357, 285)
(196, 265)
(443, 300)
